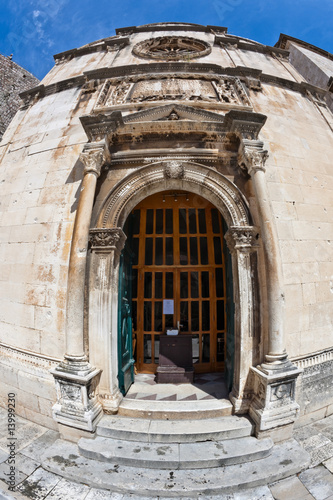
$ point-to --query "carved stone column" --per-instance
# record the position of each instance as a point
(242, 241)
(254, 158)
(106, 246)
(274, 380)
(77, 380)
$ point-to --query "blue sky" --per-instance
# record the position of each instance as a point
(34, 30)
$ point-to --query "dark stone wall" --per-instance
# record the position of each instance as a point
(13, 81)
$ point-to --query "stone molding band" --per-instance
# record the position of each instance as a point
(244, 73)
(28, 357)
(313, 359)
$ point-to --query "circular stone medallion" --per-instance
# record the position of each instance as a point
(172, 48)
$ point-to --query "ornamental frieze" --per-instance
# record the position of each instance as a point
(175, 87)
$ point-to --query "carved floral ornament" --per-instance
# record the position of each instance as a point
(172, 48)
(93, 159)
(174, 170)
(253, 158)
(242, 238)
(107, 238)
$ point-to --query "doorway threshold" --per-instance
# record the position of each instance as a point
(206, 397)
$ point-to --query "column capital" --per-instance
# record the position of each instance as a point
(243, 238)
(107, 239)
(93, 159)
(252, 156)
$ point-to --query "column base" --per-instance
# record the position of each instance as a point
(241, 404)
(111, 402)
(77, 397)
(274, 404)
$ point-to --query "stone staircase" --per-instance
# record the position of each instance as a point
(175, 458)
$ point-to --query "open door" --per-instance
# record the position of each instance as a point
(125, 350)
(178, 278)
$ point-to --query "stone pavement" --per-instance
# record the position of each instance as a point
(33, 482)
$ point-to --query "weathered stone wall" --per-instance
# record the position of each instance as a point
(300, 183)
(315, 392)
(41, 181)
(13, 80)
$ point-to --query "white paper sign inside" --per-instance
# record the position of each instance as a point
(167, 306)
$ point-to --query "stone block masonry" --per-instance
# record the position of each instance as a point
(13, 80)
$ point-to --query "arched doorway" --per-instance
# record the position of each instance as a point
(107, 241)
(178, 278)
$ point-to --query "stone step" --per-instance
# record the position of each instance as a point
(174, 431)
(285, 460)
(175, 410)
(174, 455)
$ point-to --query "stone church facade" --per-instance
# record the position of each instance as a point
(207, 158)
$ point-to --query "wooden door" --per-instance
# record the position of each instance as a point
(177, 241)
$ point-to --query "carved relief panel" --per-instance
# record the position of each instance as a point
(226, 90)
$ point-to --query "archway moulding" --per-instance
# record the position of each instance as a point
(178, 175)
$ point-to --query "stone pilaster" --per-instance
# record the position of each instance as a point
(242, 241)
(106, 246)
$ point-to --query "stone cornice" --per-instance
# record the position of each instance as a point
(284, 39)
(246, 125)
(114, 43)
(29, 358)
(243, 73)
(53, 88)
(171, 67)
(170, 27)
(253, 47)
(145, 157)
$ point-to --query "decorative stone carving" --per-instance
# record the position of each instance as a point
(107, 238)
(93, 160)
(242, 238)
(281, 391)
(253, 159)
(77, 399)
(71, 392)
(172, 48)
(274, 402)
(253, 83)
(173, 116)
(89, 87)
(111, 402)
(174, 170)
(197, 176)
(230, 90)
(160, 87)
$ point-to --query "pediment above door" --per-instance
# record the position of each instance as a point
(171, 121)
